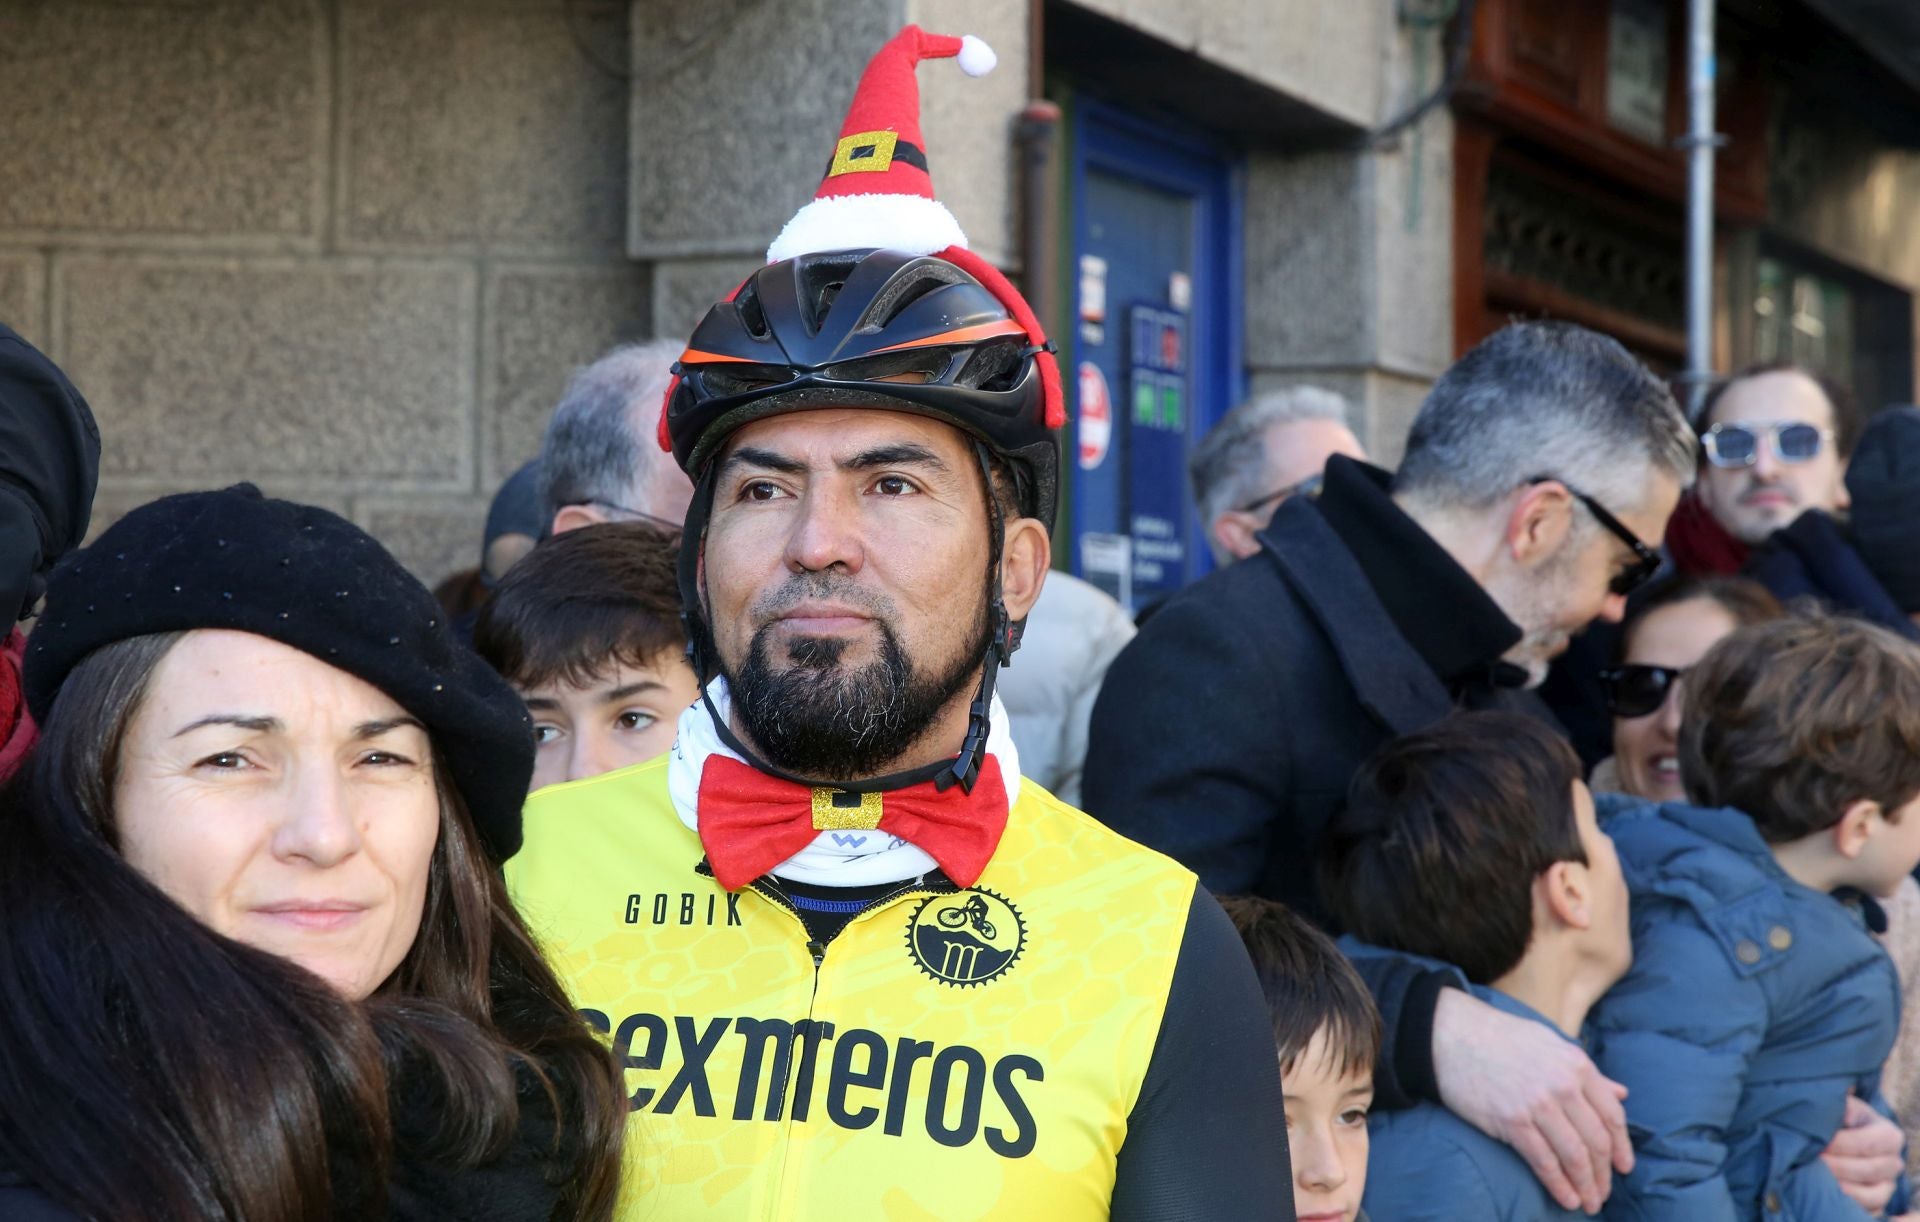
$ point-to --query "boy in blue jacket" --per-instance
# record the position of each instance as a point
(1757, 1000)
(1474, 843)
(1327, 1033)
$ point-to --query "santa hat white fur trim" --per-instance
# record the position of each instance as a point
(976, 57)
(910, 223)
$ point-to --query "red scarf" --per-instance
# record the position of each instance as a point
(751, 822)
(1700, 546)
(17, 731)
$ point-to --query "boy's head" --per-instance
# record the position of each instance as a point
(1328, 1035)
(1811, 727)
(1474, 842)
(587, 629)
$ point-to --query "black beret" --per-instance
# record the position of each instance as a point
(307, 578)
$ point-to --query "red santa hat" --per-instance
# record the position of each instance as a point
(878, 192)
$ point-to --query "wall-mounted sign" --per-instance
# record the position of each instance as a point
(1637, 69)
(1093, 299)
(1106, 561)
(1095, 417)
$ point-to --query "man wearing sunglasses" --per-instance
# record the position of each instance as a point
(599, 461)
(1774, 444)
(1262, 452)
(1537, 476)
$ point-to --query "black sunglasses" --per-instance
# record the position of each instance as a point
(1635, 691)
(1309, 486)
(1646, 561)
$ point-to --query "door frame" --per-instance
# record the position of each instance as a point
(1188, 162)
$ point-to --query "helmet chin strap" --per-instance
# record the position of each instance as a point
(964, 769)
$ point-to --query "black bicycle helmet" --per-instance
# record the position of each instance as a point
(820, 330)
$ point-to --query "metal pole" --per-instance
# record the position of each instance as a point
(1700, 143)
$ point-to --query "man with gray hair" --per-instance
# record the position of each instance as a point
(1261, 453)
(600, 461)
(1538, 477)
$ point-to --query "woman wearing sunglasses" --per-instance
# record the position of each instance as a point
(1669, 629)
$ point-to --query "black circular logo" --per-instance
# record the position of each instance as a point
(967, 938)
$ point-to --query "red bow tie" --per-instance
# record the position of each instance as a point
(751, 822)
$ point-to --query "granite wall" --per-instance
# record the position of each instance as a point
(348, 249)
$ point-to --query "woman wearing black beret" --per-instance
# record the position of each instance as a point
(256, 961)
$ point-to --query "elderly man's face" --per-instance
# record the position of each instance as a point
(1296, 451)
(1751, 502)
(845, 572)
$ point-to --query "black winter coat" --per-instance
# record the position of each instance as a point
(1227, 732)
(1814, 559)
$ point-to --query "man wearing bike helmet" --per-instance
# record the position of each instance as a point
(857, 966)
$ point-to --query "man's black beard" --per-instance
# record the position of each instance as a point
(816, 720)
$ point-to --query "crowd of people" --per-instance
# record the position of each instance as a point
(765, 829)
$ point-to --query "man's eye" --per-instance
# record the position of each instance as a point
(892, 485)
(634, 719)
(544, 734)
(1353, 1116)
(760, 490)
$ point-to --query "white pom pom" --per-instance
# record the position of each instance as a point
(976, 57)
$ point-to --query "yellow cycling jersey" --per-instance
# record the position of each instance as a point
(951, 1054)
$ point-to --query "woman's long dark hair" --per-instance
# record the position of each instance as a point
(153, 1069)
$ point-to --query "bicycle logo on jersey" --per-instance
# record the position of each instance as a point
(967, 938)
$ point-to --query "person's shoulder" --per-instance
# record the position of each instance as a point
(1427, 1163)
(574, 822)
(635, 780)
(1093, 842)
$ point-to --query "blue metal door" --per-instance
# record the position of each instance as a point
(1156, 347)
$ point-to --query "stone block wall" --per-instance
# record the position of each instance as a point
(348, 249)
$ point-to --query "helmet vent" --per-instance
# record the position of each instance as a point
(752, 317)
(887, 305)
(821, 279)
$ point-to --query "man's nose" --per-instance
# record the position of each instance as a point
(317, 823)
(826, 531)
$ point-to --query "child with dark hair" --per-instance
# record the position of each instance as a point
(1474, 844)
(587, 629)
(1757, 1001)
(1327, 1033)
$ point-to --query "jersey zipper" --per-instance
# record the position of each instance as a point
(817, 951)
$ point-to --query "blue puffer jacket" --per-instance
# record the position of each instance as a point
(1429, 1165)
(1754, 1005)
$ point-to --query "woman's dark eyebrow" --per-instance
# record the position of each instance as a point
(256, 724)
(374, 729)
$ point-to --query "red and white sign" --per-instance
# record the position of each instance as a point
(1096, 416)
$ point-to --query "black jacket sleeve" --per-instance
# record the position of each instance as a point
(1207, 1139)
(1182, 753)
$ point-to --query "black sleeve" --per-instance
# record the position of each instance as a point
(1207, 1139)
(1407, 993)
(1166, 769)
